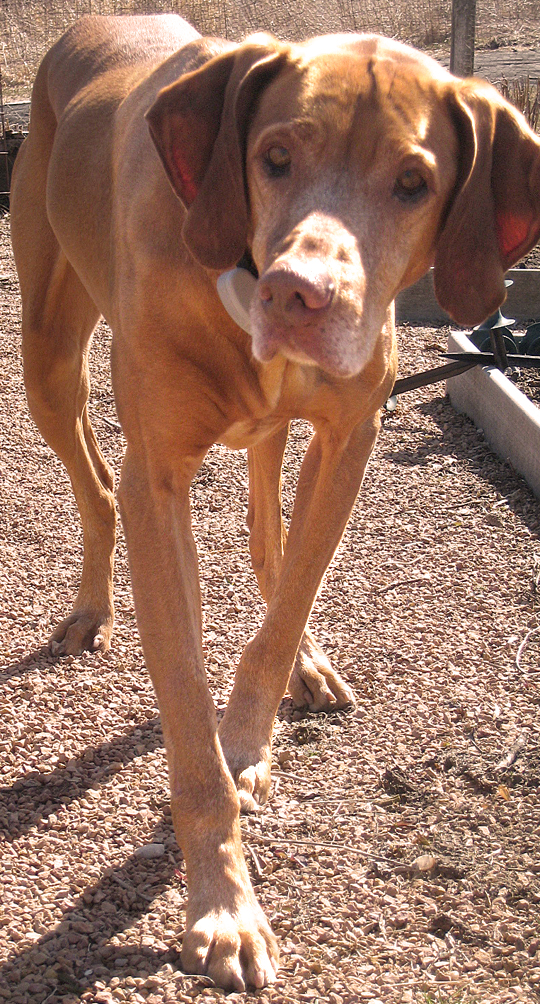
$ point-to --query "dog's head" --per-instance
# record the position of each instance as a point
(348, 165)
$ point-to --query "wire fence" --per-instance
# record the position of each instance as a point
(28, 27)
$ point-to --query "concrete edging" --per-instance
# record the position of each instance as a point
(418, 304)
(510, 422)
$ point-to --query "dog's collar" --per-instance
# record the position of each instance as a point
(236, 288)
(246, 261)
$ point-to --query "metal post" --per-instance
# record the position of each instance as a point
(462, 45)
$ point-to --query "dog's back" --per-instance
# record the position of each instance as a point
(80, 84)
(120, 48)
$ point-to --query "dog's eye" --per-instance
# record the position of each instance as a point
(278, 161)
(410, 185)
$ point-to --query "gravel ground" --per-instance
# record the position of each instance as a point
(528, 382)
(398, 857)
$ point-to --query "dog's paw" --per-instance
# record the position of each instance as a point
(251, 772)
(253, 786)
(235, 949)
(313, 683)
(80, 632)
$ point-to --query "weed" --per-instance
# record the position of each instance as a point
(525, 95)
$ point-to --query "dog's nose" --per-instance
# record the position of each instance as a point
(296, 289)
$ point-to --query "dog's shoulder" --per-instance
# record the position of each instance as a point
(123, 48)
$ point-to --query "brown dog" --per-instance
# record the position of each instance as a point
(346, 165)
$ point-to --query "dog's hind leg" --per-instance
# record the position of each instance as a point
(313, 682)
(58, 319)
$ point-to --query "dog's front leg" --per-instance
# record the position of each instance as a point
(227, 936)
(313, 682)
(329, 482)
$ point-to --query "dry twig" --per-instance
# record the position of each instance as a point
(513, 754)
(113, 425)
(256, 862)
(345, 848)
(524, 644)
(402, 582)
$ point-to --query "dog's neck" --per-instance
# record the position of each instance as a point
(246, 262)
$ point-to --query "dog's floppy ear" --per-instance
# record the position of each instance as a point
(494, 216)
(199, 125)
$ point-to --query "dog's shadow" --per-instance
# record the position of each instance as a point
(51, 791)
(34, 660)
(64, 960)
(77, 952)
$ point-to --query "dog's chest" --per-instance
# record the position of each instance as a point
(242, 435)
(286, 390)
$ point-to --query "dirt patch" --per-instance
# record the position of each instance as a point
(532, 260)
(528, 382)
(396, 860)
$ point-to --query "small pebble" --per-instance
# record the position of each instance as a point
(148, 851)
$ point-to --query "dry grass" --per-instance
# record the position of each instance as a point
(524, 93)
(28, 27)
